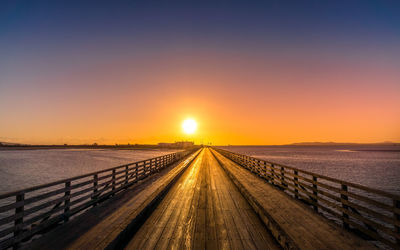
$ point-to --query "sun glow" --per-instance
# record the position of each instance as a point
(189, 126)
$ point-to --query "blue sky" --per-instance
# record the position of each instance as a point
(68, 52)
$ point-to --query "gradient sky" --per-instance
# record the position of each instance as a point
(249, 73)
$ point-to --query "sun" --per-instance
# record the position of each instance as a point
(189, 126)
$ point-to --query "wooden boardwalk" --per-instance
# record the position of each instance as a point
(104, 225)
(292, 222)
(206, 201)
(204, 210)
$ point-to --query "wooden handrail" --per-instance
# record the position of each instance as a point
(29, 211)
(13, 193)
(371, 212)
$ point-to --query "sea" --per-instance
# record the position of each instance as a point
(376, 166)
(373, 166)
(369, 165)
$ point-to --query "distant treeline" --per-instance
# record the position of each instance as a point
(91, 146)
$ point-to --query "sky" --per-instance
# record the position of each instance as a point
(275, 72)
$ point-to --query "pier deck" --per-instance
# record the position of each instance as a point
(292, 222)
(105, 224)
(204, 210)
(205, 202)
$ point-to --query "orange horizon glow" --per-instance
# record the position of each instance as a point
(260, 73)
(286, 102)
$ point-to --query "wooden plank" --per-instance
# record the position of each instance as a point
(116, 210)
(302, 227)
(211, 241)
(358, 186)
(199, 236)
(165, 216)
(118, 221)
(208, 212)
(18, 221)
(14, 193)
(396, 216)
(349, 208)
(237, 207)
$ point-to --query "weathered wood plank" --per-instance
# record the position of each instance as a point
(208, 212)
(128, 205)
(289, 218)
(349, 184)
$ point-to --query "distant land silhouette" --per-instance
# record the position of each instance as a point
(388, 143)
(10, 145)
(175, 145)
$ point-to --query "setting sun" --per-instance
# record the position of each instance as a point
(189, 126)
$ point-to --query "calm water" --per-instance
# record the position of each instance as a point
(372, 166)
(377, 167)
(25, 168)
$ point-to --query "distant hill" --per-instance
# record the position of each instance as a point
(2, 143)
(343, 144)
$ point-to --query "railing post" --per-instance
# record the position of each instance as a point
(396, 204)
(344, 197)
(265, 171)
(315, 192)
(113, 180)
(136, 172)
(95, 177)
(67, 200)
(296, 179)
(156, 164)
(251, 166)
(126, 174)
(283, 177)
(18, 222)
(272, 174)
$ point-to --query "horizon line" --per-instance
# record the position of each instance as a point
(3, 143)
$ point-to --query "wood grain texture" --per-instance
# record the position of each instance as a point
(203, 210)
(99, 227)
(303, 228)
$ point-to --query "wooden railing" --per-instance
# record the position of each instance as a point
(35, 210)
(372, 213)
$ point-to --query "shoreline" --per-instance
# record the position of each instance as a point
(125, 147)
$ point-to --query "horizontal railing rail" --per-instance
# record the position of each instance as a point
(35, 210)
(374, 214)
